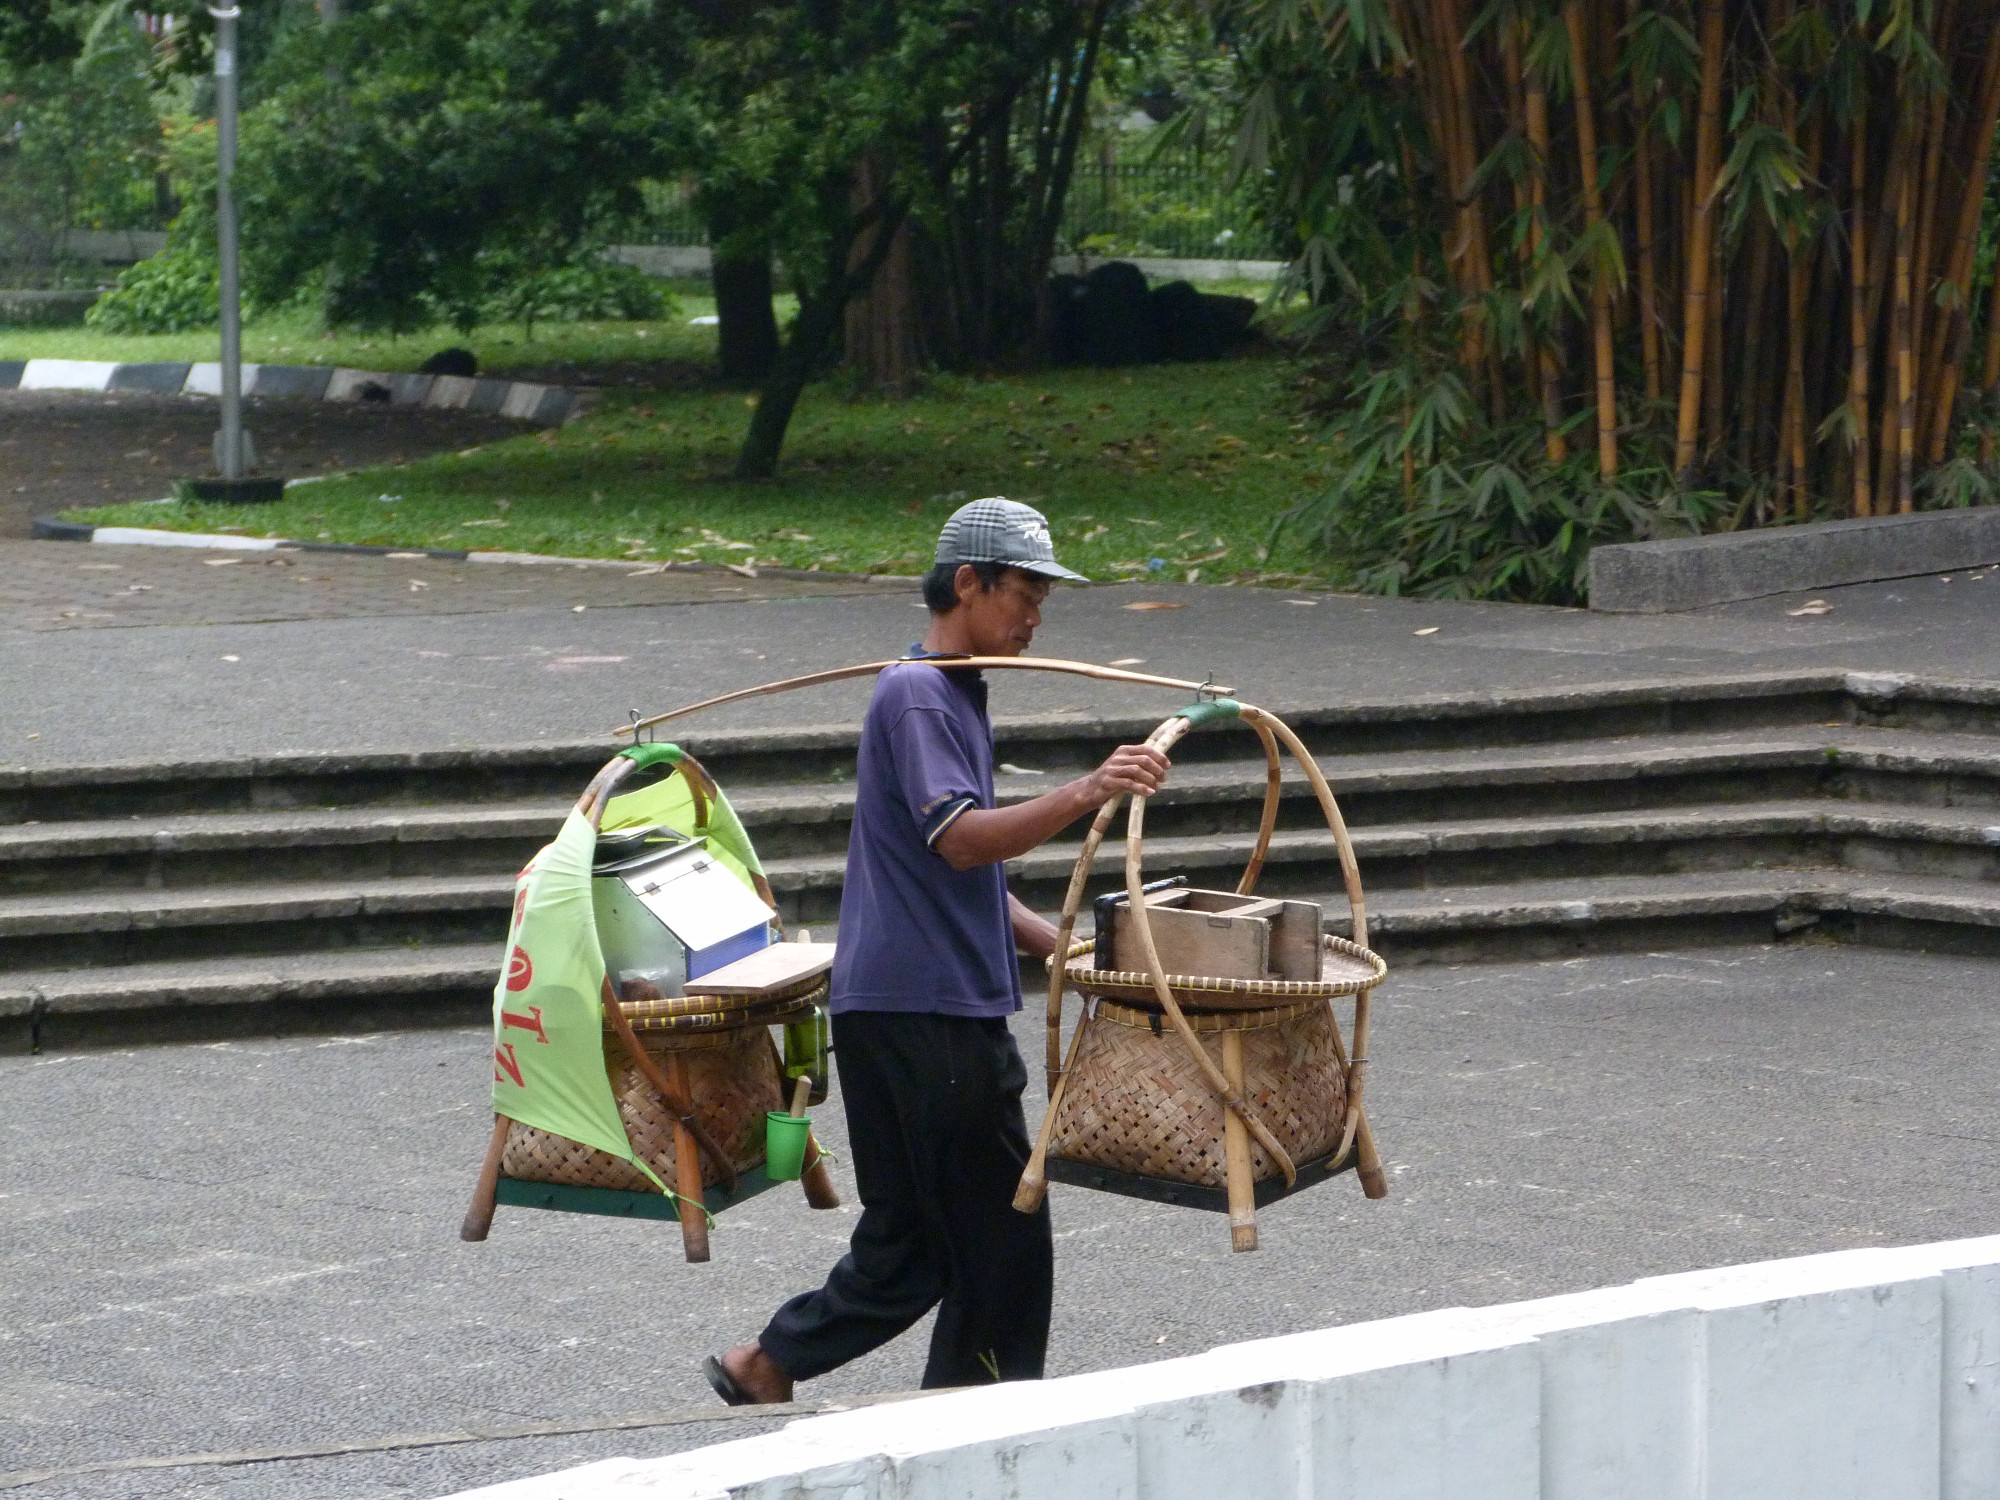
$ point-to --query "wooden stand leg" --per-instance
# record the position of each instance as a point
(1368, 1162)
(1236, 1151)
(479, 1215)
(687, 1171)
(817, 1178)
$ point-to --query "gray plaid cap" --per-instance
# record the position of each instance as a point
(1004, 531)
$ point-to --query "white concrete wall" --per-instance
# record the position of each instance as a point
(1862, 1375)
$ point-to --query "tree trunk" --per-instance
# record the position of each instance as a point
(881, 342)
(812, 335)
(746, 325)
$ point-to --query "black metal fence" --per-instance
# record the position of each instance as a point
(1183, 208)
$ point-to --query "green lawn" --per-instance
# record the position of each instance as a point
(1167, 471)
(293, 337)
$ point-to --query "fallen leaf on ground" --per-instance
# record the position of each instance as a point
(740, 570)
(1427, 630)
(221, 562)
(1154, 604)
(232, 658)
(1127, 661)
(1308, 603)
(1812, 607)
(577, 609)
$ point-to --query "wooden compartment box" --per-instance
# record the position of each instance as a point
(1214, 934)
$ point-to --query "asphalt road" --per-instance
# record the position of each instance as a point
(253, 1244)
(289, 666)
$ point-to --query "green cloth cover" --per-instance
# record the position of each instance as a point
(548, 1010)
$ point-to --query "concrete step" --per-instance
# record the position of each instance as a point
(103, 925)
(447, 984)
(103, 929)
(1434, 788)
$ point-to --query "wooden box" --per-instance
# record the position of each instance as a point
(1215, 934)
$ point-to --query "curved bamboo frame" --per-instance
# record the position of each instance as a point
(1271, 732)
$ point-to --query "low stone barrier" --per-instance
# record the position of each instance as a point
(1860, 1375)
(544, 405)
(1689, 572)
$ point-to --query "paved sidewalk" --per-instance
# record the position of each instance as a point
(254, 1244)
(343, 654)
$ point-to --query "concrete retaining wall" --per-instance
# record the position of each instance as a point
(1862, 1375)
(1655, 577)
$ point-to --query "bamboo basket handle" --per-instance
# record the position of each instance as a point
(1357, 1067)
(1059, 958)
(1273, 788)
(1163, 739)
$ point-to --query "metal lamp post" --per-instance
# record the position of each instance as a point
(232, 444)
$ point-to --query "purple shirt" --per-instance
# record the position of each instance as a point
(915, 934)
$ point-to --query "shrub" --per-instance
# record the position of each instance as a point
(172, 292)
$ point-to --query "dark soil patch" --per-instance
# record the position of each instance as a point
(65, 448)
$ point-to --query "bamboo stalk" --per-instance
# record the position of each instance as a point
(1965, 241)
(1593, 216)
(1904, 331)
(1642, 187)
(1535, 103)
(1708, 143)
(1857, 254)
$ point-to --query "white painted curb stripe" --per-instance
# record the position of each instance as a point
(142, 537)
(66, 375)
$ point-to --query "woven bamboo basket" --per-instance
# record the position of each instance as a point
(733, 1077)
(1137, 1102)
(1203, 1080)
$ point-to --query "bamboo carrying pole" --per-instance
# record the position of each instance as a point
(479, 1214)
(963, 663)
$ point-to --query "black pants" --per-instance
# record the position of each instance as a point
(935, 1128)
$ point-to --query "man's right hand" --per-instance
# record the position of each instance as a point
(1136, 769)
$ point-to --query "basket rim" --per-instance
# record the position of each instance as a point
(1134, 981)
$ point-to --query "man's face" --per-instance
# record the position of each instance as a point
(1000, 621)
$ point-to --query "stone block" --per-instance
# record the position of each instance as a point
(353, 385)
(488, 396)
(522, 400)
(206, 380)
(407, 387)
(554, 407)
(451, 392)
(10, 373)
(305, 382)
(167, 378)
(1618, 1414)
(1440, 1428)
(66, 375)
(1690, 572)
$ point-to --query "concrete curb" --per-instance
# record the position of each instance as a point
(1690, 572)
(543, 405)
(48, 529)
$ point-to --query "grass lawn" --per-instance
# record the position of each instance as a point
(293, 337)
(1165, 471)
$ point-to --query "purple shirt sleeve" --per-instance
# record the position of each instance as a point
(934, 770)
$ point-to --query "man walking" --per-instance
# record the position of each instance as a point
(922, 986)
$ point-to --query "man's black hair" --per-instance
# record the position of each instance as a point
(941, 586)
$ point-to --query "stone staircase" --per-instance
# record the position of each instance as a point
(372, 890)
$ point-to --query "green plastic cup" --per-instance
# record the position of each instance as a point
(784, 1145)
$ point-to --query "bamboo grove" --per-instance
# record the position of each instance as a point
(1721, 259)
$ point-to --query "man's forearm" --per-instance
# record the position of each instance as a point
(1034, 934)
(988, 835)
